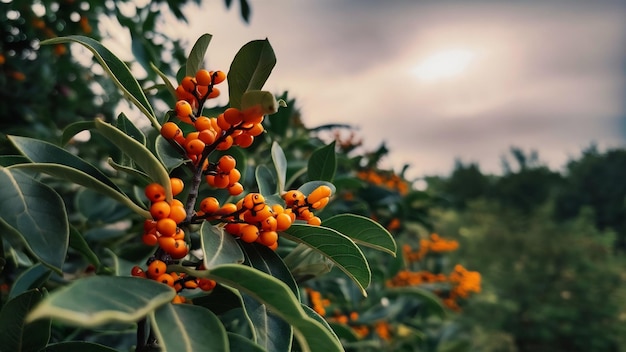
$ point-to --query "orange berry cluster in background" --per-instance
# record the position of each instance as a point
(434, 244)
(388, 180)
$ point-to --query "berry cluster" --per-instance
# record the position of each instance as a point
(303, 207)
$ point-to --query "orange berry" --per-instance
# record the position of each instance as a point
(293, 197)
(160, 210)
(183, 109)
(321, 203)
(137, 271)
(177, 213)
(214, 93)
(170, 130)
(274, 246)
(256, 129)
(177, 185)
(283, 222)
(244, 140)
(315, 221)
(232, 116)
(178, 299)
(268, 238)
(149, 224)
(234, 176)
(235, 189)
(218, 77)
(221, 181)
(234, 228)
(156, 268)
(225, 144)
(269, 224)
(209, 205)
(179, 250)
(149, 239)
(155, 192)
(226, 163)
(189, 83)
(166, 279)
(208, 136)
(203, 77)
(202, 123)
(249, 233)
(206, 284)
(228, 209)
(180, 234)
(221, 121)
(253, 200)
(261, 213)
(320, 192)
(195, 147)
(166, 227)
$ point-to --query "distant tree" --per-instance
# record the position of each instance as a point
(466, 183)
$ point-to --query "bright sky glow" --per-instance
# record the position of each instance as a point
(444, 64)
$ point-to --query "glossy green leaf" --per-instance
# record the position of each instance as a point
(82, 346)
(280, 163)
(363, 231)
(78, 243)
(268, 261)
(132, 172)
(43, 152)
(344, 332)
(8, 160)
(306, 263)
(99, 300)
(322, 164)
(139, 153)
(271, 332)
(124, 124)
(266, 181)
(313, 314)
(237, 342)
(119, 72)
(311, 335)
(167, 154)
(81, 178)
(73, 129)
(37, 213)
(32, 278)
(16, 334)
(336, 247)
(168, 84)
(429, 298)
(188, 328)
(218, 246)
(249, 70)
(195, 60)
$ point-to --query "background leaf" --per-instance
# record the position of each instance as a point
(265, 180)
(363, 231)
(82, 346)
(15, 333)
(280, 163)
(336, 247)
(170, 158)
(239, 343)
(188, 328)
(73, 129)
(249, 70)
(37, 213)
(119, 72)
(98, 300)
(32, 278)
(195, 60)
(323, 163)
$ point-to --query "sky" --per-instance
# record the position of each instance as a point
(437, 81)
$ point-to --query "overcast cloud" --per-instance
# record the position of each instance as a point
(544, 76)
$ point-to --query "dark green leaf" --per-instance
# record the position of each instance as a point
(196, 56)
(313, 314)
(8, 160)
(280, 163)
(336, 247)
(43, 152)
(271, 332)
(37, 213)
(429, 298)
(97, 300)
(268, 261)
(167, 154)
(126, 126)
(218, 246)
(168, 84)
(32, 278)
(249, 70)
(119, 72)
(74, 346)
(363, 231)
(265, 180)
(15, 333)
(323, 164)
(188, 328)
(239, 343)
(78, 243)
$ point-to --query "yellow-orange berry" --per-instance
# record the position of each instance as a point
(218, 77)
(249, 233)
(203, 77)
(315, 221)
(283, 222)
(177, 185)
(228, 209)
(293, 197)
(170, 130)
(209, 205)
(208, 136)
(195, 147)
(183, 109)
(177, 213)
(232, 116)
(320, 192)
(269, 224)
(226, 163)
(179, 250)
(166, 227)
(225, 144)
(268, 238)
(235, 189)
(214, 93)
(156, 268)
(155, 192)
(160, 210)
(256, 129)
(166, 279)
(189, 83)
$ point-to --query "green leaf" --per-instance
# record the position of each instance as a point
(168, 84)
(119, 72)
(32, 278)
(8, 160)
(37, 213)
(429, 298)
(127, 126)
(323, 163)
(167, 154)
(313, 314)
(97, 300)
(196, 56)
(16, 334)
(78, 243)
(218, 246)
(139, 153)
(265, 180)
(43, 152)
(188, 328)
(270, 331)
(237, 342)
(134, 173)
(311, 335)
(82, 346)
(249, 70)
(363, 231)
(73, 129)
(81, 178)
(268, 261)
(280, 163)
(336, 247)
